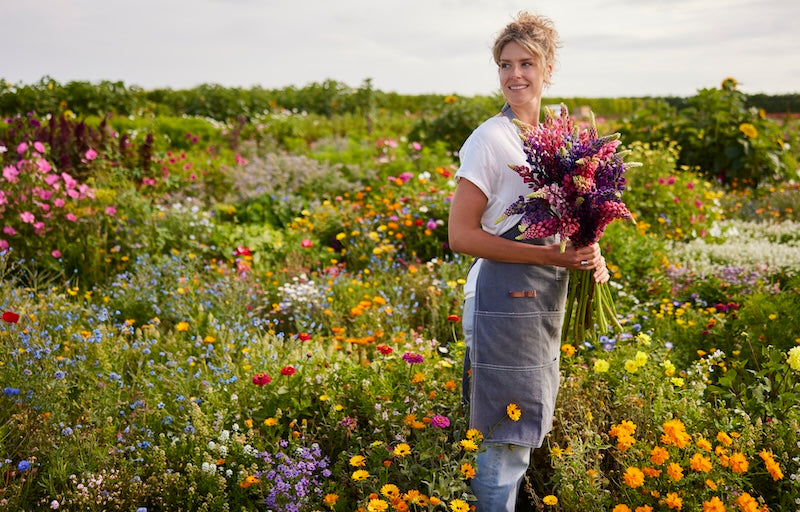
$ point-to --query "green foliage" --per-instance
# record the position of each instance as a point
(454, 122)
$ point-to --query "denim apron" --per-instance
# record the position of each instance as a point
(514, 358)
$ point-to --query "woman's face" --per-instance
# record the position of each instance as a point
(521, 76)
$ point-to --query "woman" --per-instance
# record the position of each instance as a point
(515, 291)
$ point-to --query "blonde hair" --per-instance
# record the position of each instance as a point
(535, 33)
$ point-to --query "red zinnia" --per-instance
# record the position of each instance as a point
(384, 349)
(261, 379)
(10, 317)
(303, 336)
(454, 318)
(288, 371)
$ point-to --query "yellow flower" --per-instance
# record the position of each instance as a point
(358, 461)
(644, 508)
(658, 455)
(724, 438)
(377, 505)
(622, 508)
(402, 449)
(748, 130)
(270, 422)
(793, 358)
(601, 366)
(468, 471)
(738, 463)
(459, 506)
(631, 366)
(673, 501)
(360, 475)
(390, 491)
(513, 412)
(772, 466)
(330, 500)
(182, 327)
(641, 358)
(675, 471)
(634, 477)
(713, 505)
(700, 463)
(711, 485)
(568, 349)
(550, 500)
(450, 99)
(468, 445)
(474, 433)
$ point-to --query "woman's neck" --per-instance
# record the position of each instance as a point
(527, 113)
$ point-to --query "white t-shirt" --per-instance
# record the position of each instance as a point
(485, 158)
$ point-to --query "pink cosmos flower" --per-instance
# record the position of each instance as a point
(90, 154)
(27, 217)
(56, 253)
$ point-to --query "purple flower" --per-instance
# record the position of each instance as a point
(413, 358)
(440, 421)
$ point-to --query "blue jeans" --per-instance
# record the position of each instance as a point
(501, 467)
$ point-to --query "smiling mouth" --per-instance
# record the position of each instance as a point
(517, 87)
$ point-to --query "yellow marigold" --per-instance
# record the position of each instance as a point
(772, 466)
(659, 455)
(711, 484)
(651, 472)
(622, 508)
(468, 445)
(360, 475)
(458, 505)
(377, 505)
(270, 422)
(747, 503)
(623, 428)
(675, 471)
(358, 461)
(474, 433)
(435, 501)
(738, 463)
(713, 505)
(700, 463)
(673, 501)
(724, 438)
(467, 470)
(634, 477)
(644, 508)
(675, 433)
(703, 444)
(402, 449)
(182, 327)
(568, 349)
(748, 130)
(550, 500)
(330, 500)
(513, 412)
(390, 491)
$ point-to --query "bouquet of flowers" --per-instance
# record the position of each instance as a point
(577, 179)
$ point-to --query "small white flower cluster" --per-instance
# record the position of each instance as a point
(774, 246)
(301, 294)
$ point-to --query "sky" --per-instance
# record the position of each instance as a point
(610, 48)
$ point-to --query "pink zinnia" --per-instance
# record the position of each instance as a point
(261, 379)
(440, 421)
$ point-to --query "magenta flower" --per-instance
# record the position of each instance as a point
(413, 358)
(8, 230)
(10, 174)
(440, 421)
(22, 148)
(90, 154)
(306, 243)
(27, 217)
(71, 217)
(38, 146)
(111, 210)
(56, 253)
(431, 224)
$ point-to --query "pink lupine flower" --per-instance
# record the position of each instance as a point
(90, 154)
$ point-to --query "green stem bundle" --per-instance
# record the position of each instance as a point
(590, 309)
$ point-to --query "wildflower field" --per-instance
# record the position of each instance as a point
(260, 312)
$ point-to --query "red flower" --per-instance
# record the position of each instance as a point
(384, 349)
(261, 379)
(242, 251)
(288, 371)
(307, 243)
(454, 318)
(10, 317)
(303, 336)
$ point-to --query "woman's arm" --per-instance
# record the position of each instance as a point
(466, 236)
